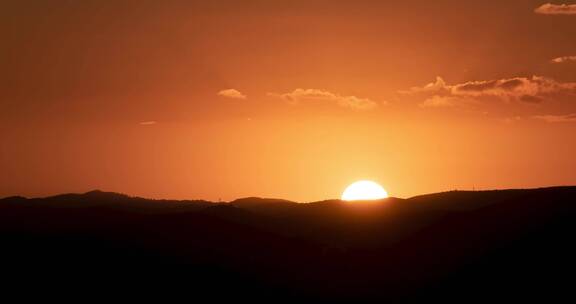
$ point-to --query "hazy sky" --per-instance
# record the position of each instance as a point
(292, 99)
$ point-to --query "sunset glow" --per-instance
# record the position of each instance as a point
(288, 150)
(225, 99)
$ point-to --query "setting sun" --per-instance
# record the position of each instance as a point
(364, 190)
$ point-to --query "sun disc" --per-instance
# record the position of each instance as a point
(364, 190)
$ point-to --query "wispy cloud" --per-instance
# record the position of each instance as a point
(148, 123)
(525, 89)
(557, 118)
(232, 93)
(556, 9)
(564, 59)
(310, 95)
(439, 102)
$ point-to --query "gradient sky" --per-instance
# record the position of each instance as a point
(292, 99)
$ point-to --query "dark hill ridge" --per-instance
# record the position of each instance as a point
(252, 201)
(102, 199)
(457, 244)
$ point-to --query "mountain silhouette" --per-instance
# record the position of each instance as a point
(457, 245)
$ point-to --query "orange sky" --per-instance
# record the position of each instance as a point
(290, 99)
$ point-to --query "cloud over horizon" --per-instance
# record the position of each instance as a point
(232, 93)
(556, 9)
(148, 123)
(557, 118)
(524, 89)
(439, 102)
(304, 95)
(564, 59)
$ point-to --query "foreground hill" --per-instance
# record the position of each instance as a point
(459, 245)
